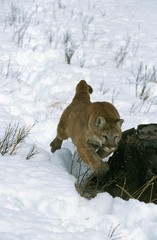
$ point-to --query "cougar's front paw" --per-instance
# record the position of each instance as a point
(55, 144)
(101, 171)
(100, 167)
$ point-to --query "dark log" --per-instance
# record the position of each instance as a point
(133, 168)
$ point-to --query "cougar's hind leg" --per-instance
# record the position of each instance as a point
(56, 144)
(61, 135)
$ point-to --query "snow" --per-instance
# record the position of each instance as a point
(38, 199)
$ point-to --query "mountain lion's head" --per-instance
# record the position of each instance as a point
(105, 132)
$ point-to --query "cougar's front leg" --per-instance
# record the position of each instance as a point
(91, 158)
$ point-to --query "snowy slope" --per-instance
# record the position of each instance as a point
(114, 46)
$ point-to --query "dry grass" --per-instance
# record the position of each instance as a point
(90, 186)
(13, 136)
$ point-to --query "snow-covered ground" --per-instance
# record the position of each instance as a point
(114, 47)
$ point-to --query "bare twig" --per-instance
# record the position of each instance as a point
(13, 136)
(112, 233)
(121, 54)
(69, 47)
(32, 152)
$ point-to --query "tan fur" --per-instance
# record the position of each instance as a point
(95, 128)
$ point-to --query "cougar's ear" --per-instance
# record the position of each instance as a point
(100, 122)
(119, 122)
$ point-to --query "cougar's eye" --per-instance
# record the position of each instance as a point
(116, 138)
(105, 137)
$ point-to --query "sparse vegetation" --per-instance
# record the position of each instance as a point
(32, 152)
(14, 135)
(20, 32)
(19, 21)
(9, 71)
(114, 95)
(102, 87)
(79, 170)
(149, 185)
(61, 5)
(121, 54)
(70, 47)
(81, 59)
(142, 77)
(114, 234)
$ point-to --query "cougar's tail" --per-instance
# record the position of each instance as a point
(82, 86)
(82, 92)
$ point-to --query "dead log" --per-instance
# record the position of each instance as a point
(133, 168)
